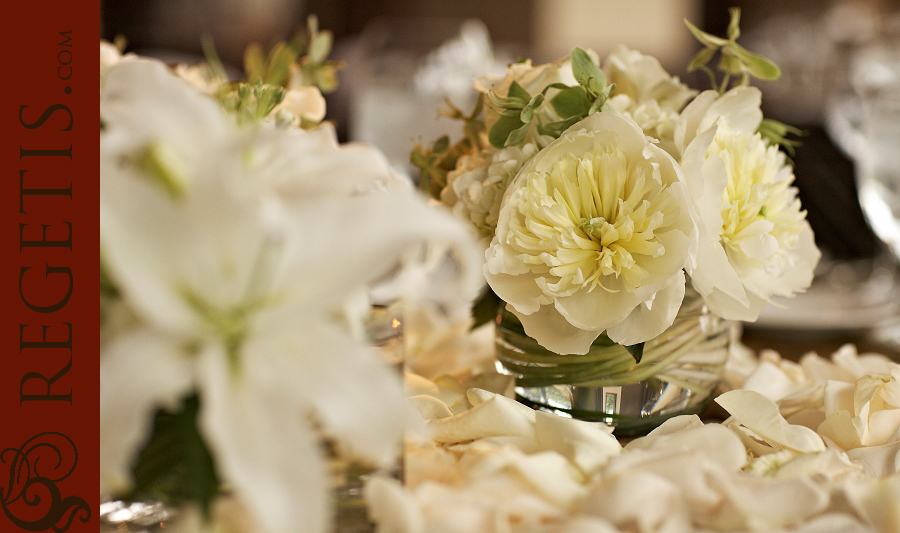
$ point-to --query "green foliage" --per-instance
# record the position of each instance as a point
(175, 465)
(314, 67)
(636, 351)
(251, 102)
(572, 103)
(734, 60)
(485, 308)
(441, 157)
(776, 133)
(302, 61)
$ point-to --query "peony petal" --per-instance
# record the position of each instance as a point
(739, 107)
(499, 416)
(649, 321)
(554, 332)
(761, 415)
(391, 507)
(875, 500)
(878, 461)
(660, 507)
(588, 445)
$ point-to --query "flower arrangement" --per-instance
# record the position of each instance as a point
(601, 189)
(239, 242)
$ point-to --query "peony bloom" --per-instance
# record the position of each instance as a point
(593, 235)
(475, 188)
(647, 93)
(755, 242)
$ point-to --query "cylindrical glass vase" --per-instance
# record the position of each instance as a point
(677, 373)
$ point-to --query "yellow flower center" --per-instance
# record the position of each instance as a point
(589, 217)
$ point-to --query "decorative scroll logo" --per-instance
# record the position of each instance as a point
(31, 499)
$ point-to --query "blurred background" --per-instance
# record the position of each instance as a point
(840, 84)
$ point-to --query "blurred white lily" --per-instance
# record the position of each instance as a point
(238, 251)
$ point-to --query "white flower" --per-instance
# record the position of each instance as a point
(238, 250)
(866, 413)
(475, 188)
(200, 76)
(755, 242)
(302, 103)
(109, 56)
(647, 93)
(593, 234)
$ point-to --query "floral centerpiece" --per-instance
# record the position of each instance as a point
(612, 202)
(239, 242)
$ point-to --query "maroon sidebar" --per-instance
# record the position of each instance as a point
(49, 272)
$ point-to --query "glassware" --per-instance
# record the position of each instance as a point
(677, 374)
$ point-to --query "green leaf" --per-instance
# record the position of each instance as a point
(708, 40)
(441, 145)
(702, 58)
(320, 46)
(734, 30)
(601, 99)
(501, 130)
(571, 102)
(586, 71)
(758, 66)
(517, 136)
(554, 129)
(281, 58)
(518, 93)
(728, 63)
(775, 133)
(529, 109)
(175, 466)
(254, 62)
(486, 308)
(636, 351)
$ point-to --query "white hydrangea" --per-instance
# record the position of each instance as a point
(476, 187)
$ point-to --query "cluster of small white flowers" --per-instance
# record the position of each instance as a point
(809, 446)
(475, 188)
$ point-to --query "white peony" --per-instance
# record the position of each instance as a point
(593, 235)
(755, 242)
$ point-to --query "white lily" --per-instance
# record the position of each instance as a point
(239, 278)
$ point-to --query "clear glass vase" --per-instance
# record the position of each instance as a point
(677, 374)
